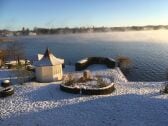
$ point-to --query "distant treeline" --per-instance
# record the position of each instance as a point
(96, 29)
(67, 30)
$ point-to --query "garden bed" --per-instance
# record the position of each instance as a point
(88, 91)
(99, 91)
(88, 84)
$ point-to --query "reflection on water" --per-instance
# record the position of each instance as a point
(147, 49)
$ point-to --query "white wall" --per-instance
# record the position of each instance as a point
(57, 72)
(49, 73)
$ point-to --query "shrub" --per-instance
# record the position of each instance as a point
(124, 62)
(87, 74)
(68, 80)
(101, 83)
(81, 80)
(165, 89)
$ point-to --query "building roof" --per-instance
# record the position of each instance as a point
(48, 59)
(39, 56)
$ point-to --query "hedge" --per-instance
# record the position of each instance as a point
(83, 64)
(70, 89)
(7, 92)
(93, 91)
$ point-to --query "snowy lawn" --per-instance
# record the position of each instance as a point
(132, 104)
(45, 105)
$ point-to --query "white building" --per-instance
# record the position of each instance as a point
(49, 68)
(32, 34)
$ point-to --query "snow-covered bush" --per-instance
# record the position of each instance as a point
(87, 74)
(101, 82)
(68, 80)
(86, 81)
(165, 90)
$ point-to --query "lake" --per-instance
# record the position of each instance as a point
(147, 49)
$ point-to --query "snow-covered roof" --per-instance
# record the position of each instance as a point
(83, 60)
(39, 56)
(48, 59)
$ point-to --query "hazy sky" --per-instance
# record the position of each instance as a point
(14, 14)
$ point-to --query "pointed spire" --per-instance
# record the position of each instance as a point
(47, 53)
(49, 59)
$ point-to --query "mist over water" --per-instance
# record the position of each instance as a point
(157, 36)
(147, 49)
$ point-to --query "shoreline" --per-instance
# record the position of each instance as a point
(91, 32)
(6, 39)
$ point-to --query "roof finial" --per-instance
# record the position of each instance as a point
(47, 52)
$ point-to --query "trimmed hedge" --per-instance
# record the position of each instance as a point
(5, 84)
(101, 91)
(70, 89)
(7, 92)
(111, 63)
(94, 91)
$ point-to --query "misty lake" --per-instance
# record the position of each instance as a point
(148, 50)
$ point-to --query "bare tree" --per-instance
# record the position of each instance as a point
(124, 63)
(15, 51)
(3, 54)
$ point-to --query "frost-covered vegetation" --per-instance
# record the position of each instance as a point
(88, 80)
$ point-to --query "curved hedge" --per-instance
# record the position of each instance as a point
(94, 91)
(7, 92)
(72, 90)
(83, 64)
(101, 91)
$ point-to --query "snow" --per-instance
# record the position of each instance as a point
(49, 60)
(108, 75)
(44, 104)
(100, 70)
(83, 60)
(39, 56)
(14, 62)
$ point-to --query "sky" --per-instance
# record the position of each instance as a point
(15, 14)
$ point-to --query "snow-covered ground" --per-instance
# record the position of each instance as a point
(102, 70)
(43, 104)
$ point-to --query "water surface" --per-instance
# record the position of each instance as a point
(147, 49)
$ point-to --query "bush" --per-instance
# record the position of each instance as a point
(7, 92)
(5, 83)
(70, 90)
(68, 80)
(106, 91)
(100, 82)
(165, 89)
(124, 62)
